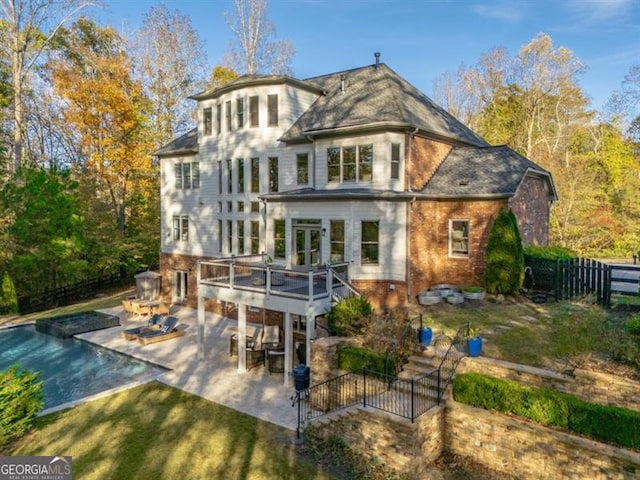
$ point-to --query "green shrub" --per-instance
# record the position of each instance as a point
(632, 325)
(505, 257)
(349, 316)
(8, 296)
(21, 399)
(550, 252)
(615, 425)
(355, 359)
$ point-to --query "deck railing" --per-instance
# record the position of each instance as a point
(252, 274)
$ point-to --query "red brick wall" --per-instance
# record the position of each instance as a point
(426, 156)
(380, 293)
(531, 207)
(430, 263)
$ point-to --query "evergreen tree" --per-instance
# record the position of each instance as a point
(505, 255)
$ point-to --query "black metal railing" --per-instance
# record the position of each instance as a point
(329, 396)
(407, 398)
(450, 360)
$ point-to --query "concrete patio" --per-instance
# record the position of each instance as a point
(255, 392)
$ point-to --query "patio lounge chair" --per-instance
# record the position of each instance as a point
(166, 331)
(152, 324)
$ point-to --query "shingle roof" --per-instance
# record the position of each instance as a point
(312, 194)
(251, 80)
(184, 144)
(486, 171)
(376, 96)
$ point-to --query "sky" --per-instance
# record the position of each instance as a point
(421, 39)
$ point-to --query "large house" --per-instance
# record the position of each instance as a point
(292, 193)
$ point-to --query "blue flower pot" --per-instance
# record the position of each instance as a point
(474, 346)
(424, 336)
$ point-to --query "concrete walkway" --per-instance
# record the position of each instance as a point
(216, 378)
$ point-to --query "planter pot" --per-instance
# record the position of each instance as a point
(429, 298)
(424, 336)
(475, 295)
(455, 298)
(474, 346)
(444, 289)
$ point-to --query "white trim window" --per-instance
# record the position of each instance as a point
(458, 238)
(336, 238)
(187, 175)
(302, 168)
(181, 228)
(207, 121)
(350, 164)
(370, 243)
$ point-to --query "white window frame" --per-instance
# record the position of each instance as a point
(362, 262)
(358, 163)
(180, 228)
(457, 238)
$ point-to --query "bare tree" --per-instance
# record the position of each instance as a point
(256, 49)
(30, 27)
(173, 65)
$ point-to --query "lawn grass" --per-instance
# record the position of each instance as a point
(109, 298)
(539, 335)
(158, 432)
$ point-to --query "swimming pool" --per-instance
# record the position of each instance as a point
(71, 369)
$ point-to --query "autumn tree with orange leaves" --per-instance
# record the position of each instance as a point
(107, 107)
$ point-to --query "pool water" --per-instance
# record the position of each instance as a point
(71, 369)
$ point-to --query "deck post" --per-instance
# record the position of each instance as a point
(288, 340)
(200, 326)
(242, 338)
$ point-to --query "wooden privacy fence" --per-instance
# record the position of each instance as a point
(68, 294)
(569, 278)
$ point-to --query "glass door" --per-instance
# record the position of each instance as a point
(307, 246)
(180, 286)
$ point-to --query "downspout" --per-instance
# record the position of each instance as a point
(407, 236)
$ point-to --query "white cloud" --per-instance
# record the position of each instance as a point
(599, 11)
(501, 10)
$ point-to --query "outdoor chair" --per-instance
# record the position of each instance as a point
(271, 336)
(164, 308)
(152, 324)
(255, 353)
(166, 331)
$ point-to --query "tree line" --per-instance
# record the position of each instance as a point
(83, 107)
(533, 102)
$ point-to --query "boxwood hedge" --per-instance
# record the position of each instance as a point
(615, 425)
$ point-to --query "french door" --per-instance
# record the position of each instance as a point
(307, 245)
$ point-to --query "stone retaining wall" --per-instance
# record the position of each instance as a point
(497, 441)
(530, 451)
(590, 386)
(405, 447)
